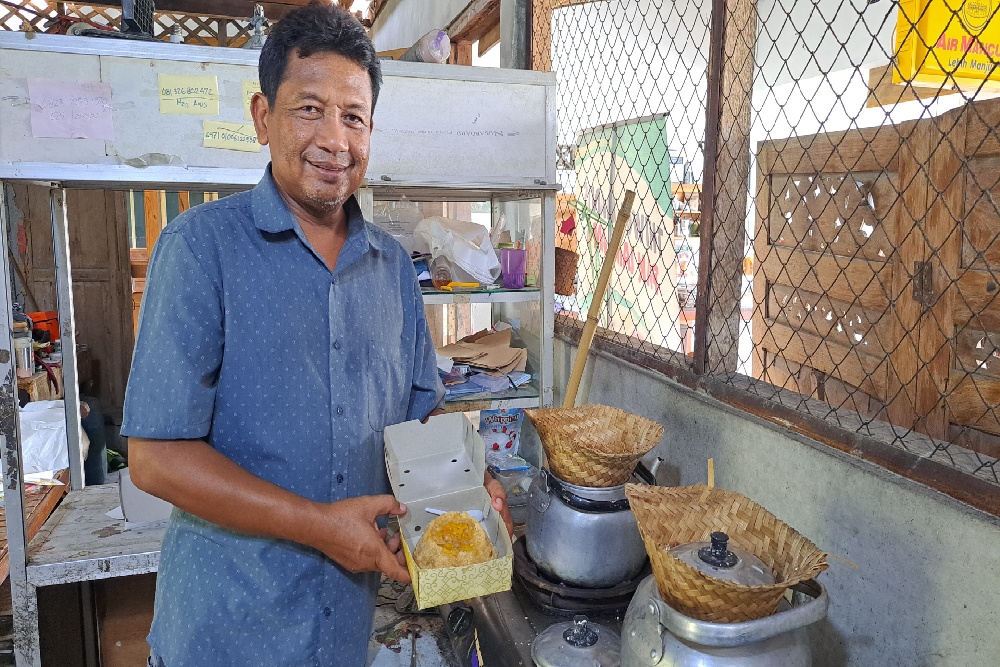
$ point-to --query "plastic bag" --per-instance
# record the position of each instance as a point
(399, 218)
(465, 245)
(43, 437)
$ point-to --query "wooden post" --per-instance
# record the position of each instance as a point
(727, 173)
(151, 205)
(541, 35)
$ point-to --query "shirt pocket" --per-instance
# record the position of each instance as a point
(387, 385)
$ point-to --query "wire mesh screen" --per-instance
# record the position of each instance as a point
(846, 159)
(631, 109)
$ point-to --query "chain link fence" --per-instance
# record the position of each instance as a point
(820, 180)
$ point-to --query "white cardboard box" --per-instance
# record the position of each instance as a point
(441, 464)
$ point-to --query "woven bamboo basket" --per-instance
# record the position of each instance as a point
(670, 516)
(594, 445)
(566, 262)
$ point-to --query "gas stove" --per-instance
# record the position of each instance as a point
(506, 623)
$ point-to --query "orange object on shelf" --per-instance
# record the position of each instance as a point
(47, 321)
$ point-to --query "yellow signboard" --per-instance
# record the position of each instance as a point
(196, 95)
(230, 136)
(948, 43)
(249, 88)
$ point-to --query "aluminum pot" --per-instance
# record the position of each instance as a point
(653, 633)
(582, 536)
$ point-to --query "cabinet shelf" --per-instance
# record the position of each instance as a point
(440, 297)
(525, 396)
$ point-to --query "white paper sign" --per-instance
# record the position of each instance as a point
(71, 109)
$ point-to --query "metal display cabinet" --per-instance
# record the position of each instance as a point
(526, 213)
(448, 133)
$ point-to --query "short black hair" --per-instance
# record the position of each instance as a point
(316, 28)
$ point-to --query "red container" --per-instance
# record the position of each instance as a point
(47, 321)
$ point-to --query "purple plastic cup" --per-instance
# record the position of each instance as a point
(512, 264)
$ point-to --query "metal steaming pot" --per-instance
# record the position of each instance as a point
(582, 536)
(653, 633)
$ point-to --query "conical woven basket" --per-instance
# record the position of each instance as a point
(670, 516)
(594, 445)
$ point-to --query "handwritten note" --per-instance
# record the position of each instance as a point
(249, 88)
(71, 109)
(196, 95)
(230, 136)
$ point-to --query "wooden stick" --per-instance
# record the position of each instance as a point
(590, 327)
(711, 481)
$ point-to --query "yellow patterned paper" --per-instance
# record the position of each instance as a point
(451, 584)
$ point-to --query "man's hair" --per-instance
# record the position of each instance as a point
(316, 28)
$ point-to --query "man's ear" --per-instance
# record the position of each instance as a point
(260, 111)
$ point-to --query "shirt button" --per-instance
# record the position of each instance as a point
(340, 479)
(340, 410)
(336, 344)
(327, 611)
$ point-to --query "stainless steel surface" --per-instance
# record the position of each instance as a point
(67, 335)
(228, 56)
(653, 633)
(507, 624)
(571, 545)
(577, 643)
(743, 567)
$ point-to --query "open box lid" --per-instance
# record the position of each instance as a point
(442, 457)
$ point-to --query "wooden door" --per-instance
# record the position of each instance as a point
(878, 273)
(101, 285)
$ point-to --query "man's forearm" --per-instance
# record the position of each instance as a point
(193, 476)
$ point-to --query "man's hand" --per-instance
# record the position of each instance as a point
(347, 533)
(499, 498)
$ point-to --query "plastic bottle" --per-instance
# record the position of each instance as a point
(440, 272)
(434, 47)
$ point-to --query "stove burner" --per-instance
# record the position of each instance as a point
(562, 600)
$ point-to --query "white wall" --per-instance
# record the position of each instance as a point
(925, 591)
(403, 22)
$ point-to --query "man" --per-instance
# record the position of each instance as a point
(280, 333)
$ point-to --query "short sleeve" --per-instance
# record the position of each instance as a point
(179, 345)
(427, 392)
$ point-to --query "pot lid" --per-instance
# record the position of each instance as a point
(577, 643)
(721, 560)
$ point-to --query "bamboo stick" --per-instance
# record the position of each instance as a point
(590, 327)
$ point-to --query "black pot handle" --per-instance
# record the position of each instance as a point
(583, 504)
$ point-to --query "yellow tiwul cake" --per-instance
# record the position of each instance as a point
(454, 539)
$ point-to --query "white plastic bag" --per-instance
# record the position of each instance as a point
(465, 245)
(43, 437)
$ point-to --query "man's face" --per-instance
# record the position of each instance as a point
(319, 130)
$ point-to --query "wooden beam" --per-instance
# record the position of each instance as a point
(727, 177)
(462, 53)
(475, 21)
(238, 9)
(489, 40)
(883, 92)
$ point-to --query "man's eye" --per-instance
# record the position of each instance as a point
(309, 109)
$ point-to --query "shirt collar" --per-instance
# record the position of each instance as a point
(271, 214)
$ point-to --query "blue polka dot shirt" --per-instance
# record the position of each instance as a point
(246, 339)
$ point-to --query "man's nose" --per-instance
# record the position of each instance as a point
(333, 135)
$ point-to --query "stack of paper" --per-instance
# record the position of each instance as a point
(488, 351)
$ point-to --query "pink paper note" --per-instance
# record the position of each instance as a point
(71, 109)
